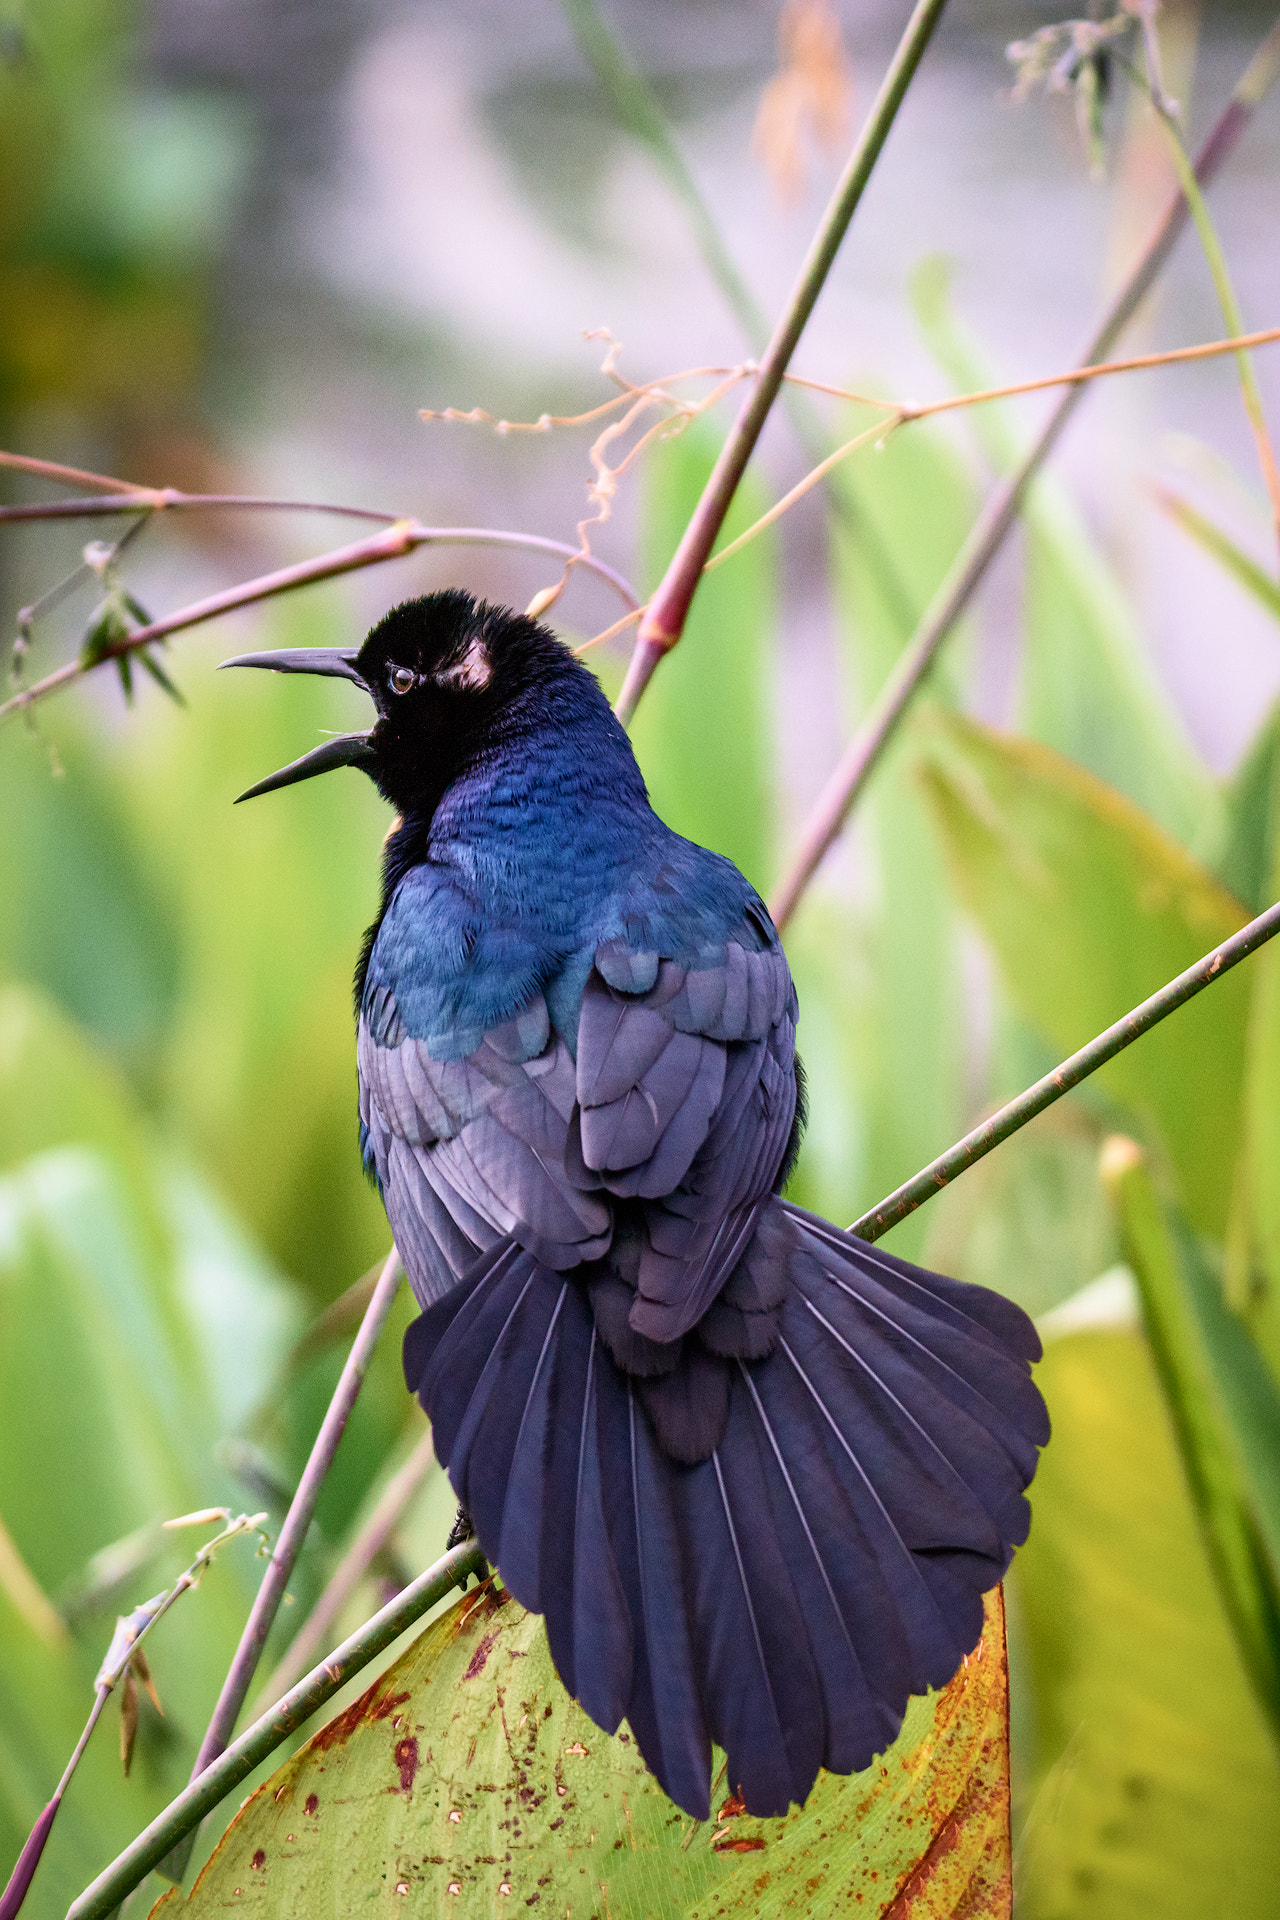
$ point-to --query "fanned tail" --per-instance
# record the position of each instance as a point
(788, 1594)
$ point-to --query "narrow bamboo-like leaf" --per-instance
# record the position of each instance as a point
(1089, 907)
(466, 1778)
(1225, 1409)
(1154, 1785)
(1251, 854)
(1253, 578)
(148, 660)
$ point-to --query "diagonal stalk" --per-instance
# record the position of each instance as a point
(664, 620)
(182, 1816)
(1223, 286)
(293, 1532)
(313, 1635)
(1077, 1067)
(1004, 505)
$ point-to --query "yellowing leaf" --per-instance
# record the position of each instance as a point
(1154, 1779)
(466, 1775)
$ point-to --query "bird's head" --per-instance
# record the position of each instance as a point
(449, 675)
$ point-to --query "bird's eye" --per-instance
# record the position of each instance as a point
(402, 678)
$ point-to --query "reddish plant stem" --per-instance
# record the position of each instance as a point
(292, 1534)
(171, 500)
(663, 623)
(1003, 507)
(402, 538)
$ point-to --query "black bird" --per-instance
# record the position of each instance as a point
(756, 1473)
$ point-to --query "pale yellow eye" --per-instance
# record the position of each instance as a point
(402, 678)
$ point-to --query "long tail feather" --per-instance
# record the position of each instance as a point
(787, 1594)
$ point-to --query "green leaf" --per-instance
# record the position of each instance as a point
(107, 1425)
(148, 660)
(1253, 578)
(1246, 860)
(1089, 907)
(137, 1324)
(881, 1026)
(1088, 687)
(1225, 1409)
(704, 734)
(1155, 1786)
(88, 916)
(466, 1774)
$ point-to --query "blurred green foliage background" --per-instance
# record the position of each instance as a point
(182, 1216)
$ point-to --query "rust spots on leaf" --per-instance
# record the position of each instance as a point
(724, 1840)
(480, 1655)
(313, 1805)
(947, 1837)
(259, 1860)
(406, 1759)
(370, 1706)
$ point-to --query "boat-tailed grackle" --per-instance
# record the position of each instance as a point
(756, 1473)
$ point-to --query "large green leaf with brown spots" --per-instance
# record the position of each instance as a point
(466, 1777)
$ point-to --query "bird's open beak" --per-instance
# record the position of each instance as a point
(347, 750)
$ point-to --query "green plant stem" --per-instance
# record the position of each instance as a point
(1225, 289)
(313, 1634)
(664, 621)
(183, 1815)
(1077, 1067)
(1002, 509)
(15, 1893)
(297, 1522)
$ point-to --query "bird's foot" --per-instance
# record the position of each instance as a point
(461, 1530)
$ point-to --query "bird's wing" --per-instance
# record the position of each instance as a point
(686, 1095)
(679, 1102)
(466, 1090)
(469, 1150)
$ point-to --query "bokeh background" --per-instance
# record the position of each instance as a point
(242, 243)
